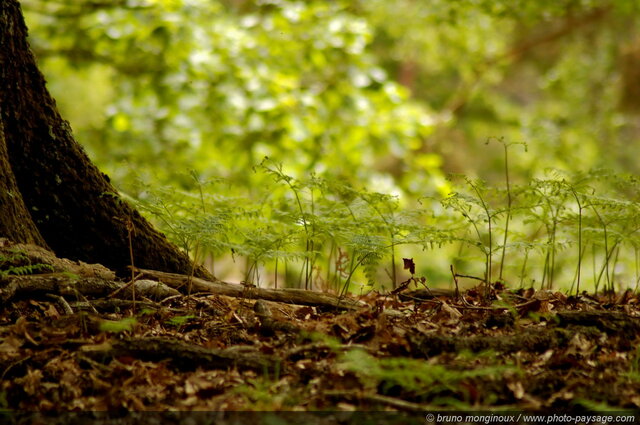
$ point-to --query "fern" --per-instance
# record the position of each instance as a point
(415, 378)
(318, 231)
(25, 270)
(13, 263)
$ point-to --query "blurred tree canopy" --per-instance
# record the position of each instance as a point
(380, 92)
(216, 86)
(558, 75)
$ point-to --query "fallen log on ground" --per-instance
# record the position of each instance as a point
(290, 296)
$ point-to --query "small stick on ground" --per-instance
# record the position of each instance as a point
(62, 302)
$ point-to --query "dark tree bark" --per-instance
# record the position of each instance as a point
(51, 194)
(15, 220)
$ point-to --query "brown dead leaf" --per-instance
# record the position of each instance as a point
(516, 388)
(579, 345)
(409, 265)
(10, 344)
(52, 312)
(30, 382)
(560, 297)
(453, 313)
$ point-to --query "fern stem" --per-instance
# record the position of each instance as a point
(524, 268)
(636, 253)
(613, 270)
(275, 276)
(509, 203)
(488, 252)
(606, 248)
(580, 252)
(329, 257)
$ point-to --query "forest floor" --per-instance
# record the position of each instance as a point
(527, 350)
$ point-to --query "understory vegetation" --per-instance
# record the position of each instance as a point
(570, 231)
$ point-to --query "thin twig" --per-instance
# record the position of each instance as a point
(468, 306)
(125, 287)
(470, 277)
(390, 401)
(62, 302)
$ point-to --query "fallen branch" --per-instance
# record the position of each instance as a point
(290, 296)
(55, 283)
(426, 294)
(66, 284)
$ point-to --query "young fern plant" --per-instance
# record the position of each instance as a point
(264, 244)
(333, 217)
(276, 171)
(580, 189)
(198, 222)
(581, 206)
(379, 214)
(510, 196)
(547, 201)
(616, 224)
(384, 206)
(475, 209)
(367, 250)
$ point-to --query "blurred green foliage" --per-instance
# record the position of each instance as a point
(216, 86)
(363, 108)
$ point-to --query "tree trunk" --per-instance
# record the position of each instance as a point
(51, 194)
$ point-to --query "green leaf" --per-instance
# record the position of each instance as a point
(118, 326)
